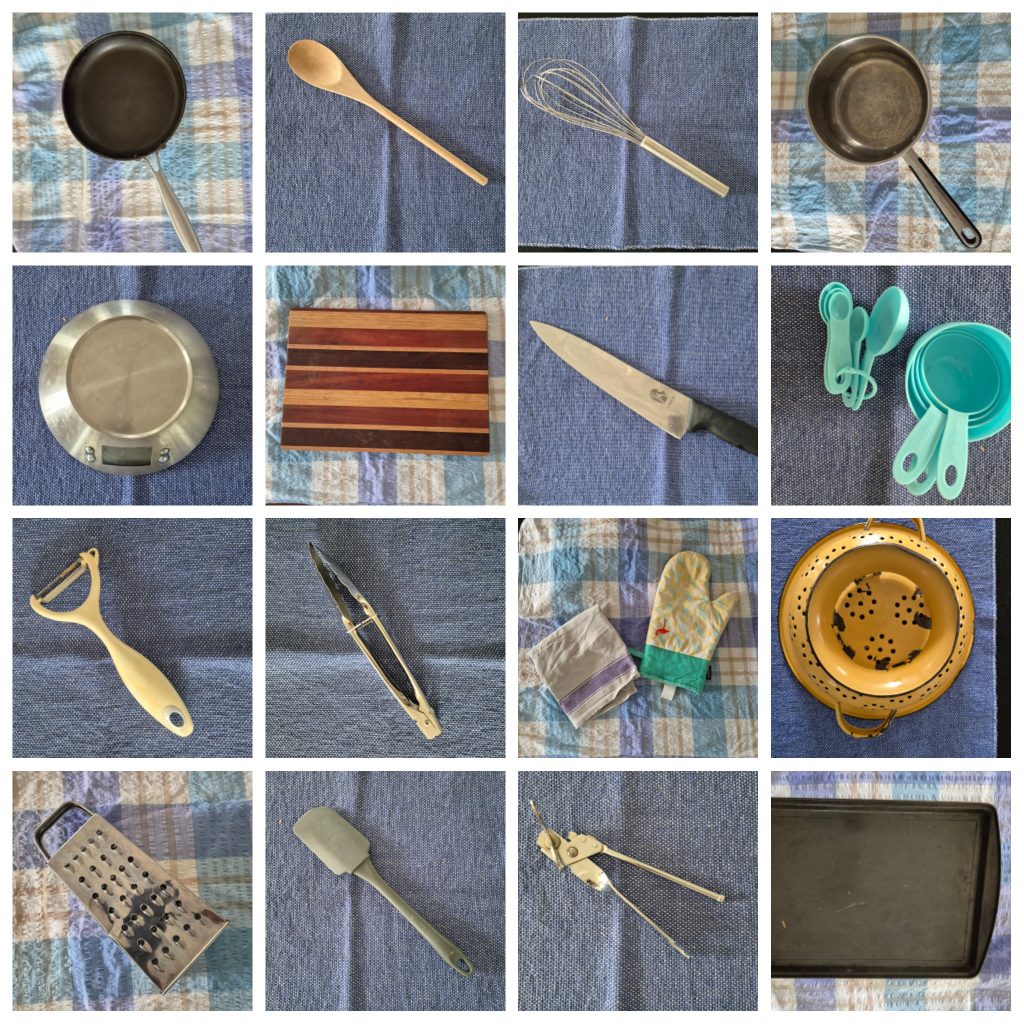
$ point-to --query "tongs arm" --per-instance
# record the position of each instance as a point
(663, 874)
(419, 711)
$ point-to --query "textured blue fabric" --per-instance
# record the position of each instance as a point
(990, 990)
(438, 586)
(581, 950)
(340, 178)
(438, 838)
(691, 84)
(961, 723)
(217, 301)
(824, 454)
(693, 328)
(197, 824)
(177, 590)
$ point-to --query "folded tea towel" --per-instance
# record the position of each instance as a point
(586, 666)
(685, 625)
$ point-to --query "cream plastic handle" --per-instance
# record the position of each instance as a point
(144, 681)
(690, 170)
(426, 140)
(175, 211)
(445, 948)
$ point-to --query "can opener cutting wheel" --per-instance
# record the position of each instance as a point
(575, 852)
(419, 709)
(145, 682)
(345, 850)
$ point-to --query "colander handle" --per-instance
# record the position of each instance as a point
(863, 732)
(919, 523)
(52, 819)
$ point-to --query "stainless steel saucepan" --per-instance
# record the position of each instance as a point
(868, 102)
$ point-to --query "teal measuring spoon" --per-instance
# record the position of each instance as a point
(886, 327)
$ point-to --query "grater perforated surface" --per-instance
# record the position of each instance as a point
(156, 919)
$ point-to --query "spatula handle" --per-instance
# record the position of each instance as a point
(427, 141)
(445, 948)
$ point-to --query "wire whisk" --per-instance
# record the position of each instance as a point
(569, 91)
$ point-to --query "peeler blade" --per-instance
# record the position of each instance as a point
(61, 581)
(341, 846)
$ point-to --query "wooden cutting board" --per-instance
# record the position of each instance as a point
(363, 380)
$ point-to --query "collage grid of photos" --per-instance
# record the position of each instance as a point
(323, 685)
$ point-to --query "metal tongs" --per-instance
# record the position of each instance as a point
(419, 710)
(575, 852)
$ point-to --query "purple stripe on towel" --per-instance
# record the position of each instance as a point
(590, 686)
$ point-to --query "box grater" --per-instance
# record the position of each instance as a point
(159, 922)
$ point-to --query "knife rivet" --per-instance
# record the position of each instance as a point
(572, 851)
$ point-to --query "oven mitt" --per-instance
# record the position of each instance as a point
(685, 625)
(586, 666)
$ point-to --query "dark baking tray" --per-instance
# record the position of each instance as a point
(882, 888)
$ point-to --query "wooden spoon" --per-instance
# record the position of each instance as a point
(319, 66)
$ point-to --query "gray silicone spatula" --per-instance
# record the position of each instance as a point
(345, 851)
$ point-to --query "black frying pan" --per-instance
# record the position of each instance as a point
(123, 98)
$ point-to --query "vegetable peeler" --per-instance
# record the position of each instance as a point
(574, 853)
(345, 850)
(145, 682)
(418, 709)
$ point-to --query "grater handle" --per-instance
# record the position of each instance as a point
(52, 820)
(445, 948)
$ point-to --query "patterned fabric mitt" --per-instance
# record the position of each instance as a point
(685, 624)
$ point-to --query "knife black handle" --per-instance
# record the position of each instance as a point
(728, 428)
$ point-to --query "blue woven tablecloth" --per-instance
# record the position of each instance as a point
(824, 454)
(68, 199)
(693, 328)
(990, 990)
(568, 565)
(217, 301)
(340, 178)
(439, 839)
(961, 723)
(198, 824)
(376, 478)
(691, 83)
(438, 587)
(822, 203)
(581, 950)
(177, 590)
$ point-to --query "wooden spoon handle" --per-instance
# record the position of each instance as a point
(427, 141)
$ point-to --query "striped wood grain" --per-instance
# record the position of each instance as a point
(386, 381)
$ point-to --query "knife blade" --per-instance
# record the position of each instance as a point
(675, 413)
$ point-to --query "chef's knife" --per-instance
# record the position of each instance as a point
(675, 413)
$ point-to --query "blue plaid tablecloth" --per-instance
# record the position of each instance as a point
(179, 591)
(694, 328)
(334, 943)
(824, 454)
(822, 203)
(198, 824)
(438, 586)
(961, 723)
(691, 83)
(217, 301)
(990, 990)
(582, 951)
(375, 478)
(68, 199)
(340, 178)
(568, 565)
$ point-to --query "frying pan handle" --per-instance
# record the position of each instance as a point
(175, 213)
(968, 234)
(919, 523)
(863, 732)
(52, 819)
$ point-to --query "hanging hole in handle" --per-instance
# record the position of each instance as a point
(460, 963)
(176, 718)
(945, 475)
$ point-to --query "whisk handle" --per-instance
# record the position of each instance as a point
(676, 161)
(426, 140)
